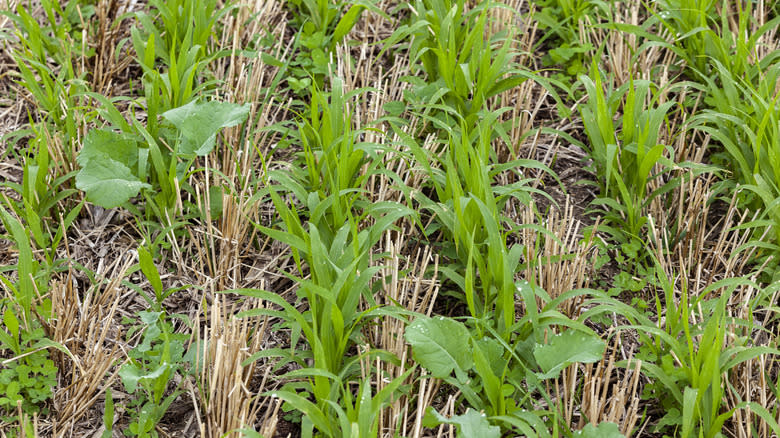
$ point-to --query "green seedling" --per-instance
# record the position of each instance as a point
(469, 211)
(320, 223)
(463, 68)
(55, 94)
(153, 364)
(42, 195)
(627, 154)
(321, 26)
(496, 376)
(40, 191)
(331, 174)
(745, 120)
(25, 291)
(28, 377)
(333, 161)
(146, 262)
(61, 34)
(179, 38)
(156, 360)
(55, 87)
(689, 362)
(689, 22)
(704, 31)
(180, 25)
(339, 278)
(560, 20)
(355, 416)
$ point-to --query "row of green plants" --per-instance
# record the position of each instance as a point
(724, 52)
(175, 120)
(331, 227)
(502, 371)
(323, 208)
(693, 350)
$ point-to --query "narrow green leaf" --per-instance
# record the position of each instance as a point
(108, 415)
(346, 23)
(11, 322)
(150, 270)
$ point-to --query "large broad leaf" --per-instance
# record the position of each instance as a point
(604, 430)
(567, 348)
(494, 352)
(471, 424)
(107, 182)
(108, 160)
(132, 375)
(440, 344)
(121, 147)
(199, 123)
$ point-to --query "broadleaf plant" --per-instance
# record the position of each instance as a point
(116, 166)
(199, 123)
(565, 348)
(472, 423)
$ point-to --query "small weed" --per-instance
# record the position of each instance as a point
(745, 121)
(27, 379)
(320, 225)
(687, 355)
(498, 377)
(321, 25)
(153, 364)
(571, 46)
(624, 128)
(468, 209)
(334, 164)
